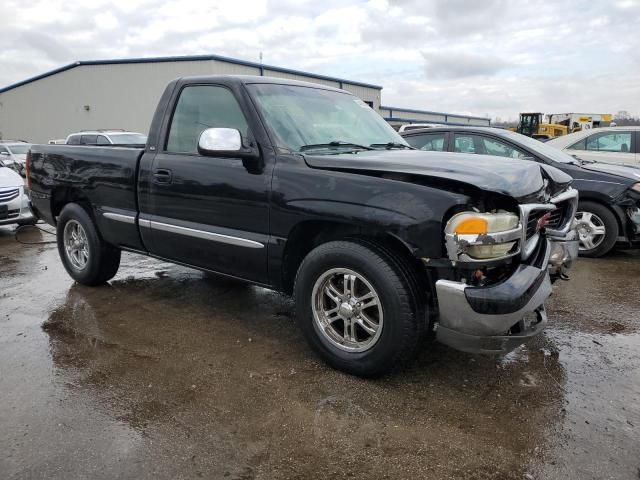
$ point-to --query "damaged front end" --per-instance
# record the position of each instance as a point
(503, 265)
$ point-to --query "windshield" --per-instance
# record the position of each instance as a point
(19, 149)
(541, 147)
(128, 138)
(322, 119)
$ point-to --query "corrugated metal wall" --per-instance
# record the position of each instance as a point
(366, 94)
(400, 116)
(117, 96)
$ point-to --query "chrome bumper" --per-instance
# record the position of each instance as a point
(495, 319)
(563, 253)
(19, 209)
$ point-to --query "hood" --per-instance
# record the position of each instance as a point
(519, 179)
(20, 157)
(629, 172)
(9, 178)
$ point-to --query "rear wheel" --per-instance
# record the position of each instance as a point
(357, 308)
(85, 255)
(597, 229)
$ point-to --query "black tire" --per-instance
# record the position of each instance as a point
(403, 324)
(103, 259)
(610, 224)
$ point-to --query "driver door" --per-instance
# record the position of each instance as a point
(205, 211)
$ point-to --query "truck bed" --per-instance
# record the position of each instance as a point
(104, 178)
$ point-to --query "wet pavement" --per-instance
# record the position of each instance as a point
(166, 373)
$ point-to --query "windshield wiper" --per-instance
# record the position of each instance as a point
(391, 145)
(335, 143)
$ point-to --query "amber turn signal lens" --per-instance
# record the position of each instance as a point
(473, 226)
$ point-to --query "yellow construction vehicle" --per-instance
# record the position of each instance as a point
(533, 125)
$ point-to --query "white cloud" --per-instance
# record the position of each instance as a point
(106, 20)
(496, 57)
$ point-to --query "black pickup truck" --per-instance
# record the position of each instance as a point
(305, 189)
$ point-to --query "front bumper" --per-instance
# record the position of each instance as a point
(563, 253)
(18, 209)
(498, 318)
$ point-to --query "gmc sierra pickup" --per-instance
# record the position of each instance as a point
(305, 189)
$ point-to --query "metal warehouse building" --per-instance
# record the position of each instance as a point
(123, 94)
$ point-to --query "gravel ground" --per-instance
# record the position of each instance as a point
(165, 373)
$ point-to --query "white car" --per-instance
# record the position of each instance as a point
(107, 137)
(14, 155)
(15, 206)
(606, 144)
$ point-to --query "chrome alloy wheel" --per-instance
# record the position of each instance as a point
(347, 310)
(76, 245)
(591, 230)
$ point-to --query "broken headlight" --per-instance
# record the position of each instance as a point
(472, 236)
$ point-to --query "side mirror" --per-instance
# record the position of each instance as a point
(224, 142)
(4, 154)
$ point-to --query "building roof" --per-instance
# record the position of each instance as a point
(186, 58)
(410, 110)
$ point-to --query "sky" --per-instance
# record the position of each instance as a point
(478, 57)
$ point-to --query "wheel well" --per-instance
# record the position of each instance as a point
(308, 235)
(62, 196)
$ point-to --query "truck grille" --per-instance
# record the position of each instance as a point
(558, 218)
(6, 195)
(532, 221)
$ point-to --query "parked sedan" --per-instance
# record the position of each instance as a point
(107, 137)
(609, 208)
(15, 206)
(608, 144)
(14, 155)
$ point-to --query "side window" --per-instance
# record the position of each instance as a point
(610, 142)
(500, 149)
(74, 140)
(433, 142)
(102, 140)
(200, 107)
(580, 145)
(88, 139)
(464, 144)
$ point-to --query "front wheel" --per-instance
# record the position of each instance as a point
(597, 229)
(85, 255)
(357, 309)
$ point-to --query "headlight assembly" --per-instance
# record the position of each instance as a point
(472, 236)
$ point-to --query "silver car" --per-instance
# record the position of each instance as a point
(606, 144)
(14, 155)
(15, 206)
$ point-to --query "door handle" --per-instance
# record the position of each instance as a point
(162, 176)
